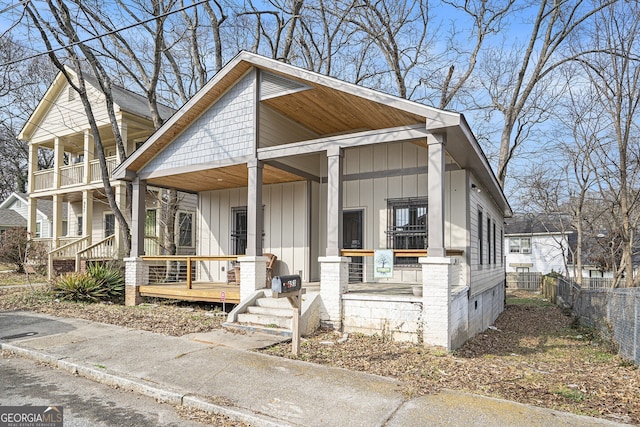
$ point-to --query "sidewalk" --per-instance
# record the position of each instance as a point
(204, 369)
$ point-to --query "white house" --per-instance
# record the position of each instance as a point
(14, 213)
(537, 243)
(322, 174)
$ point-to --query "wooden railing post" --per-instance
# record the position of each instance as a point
(188, 272)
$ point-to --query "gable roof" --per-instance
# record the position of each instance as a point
(124, 100)
(540, 223)
(327, 106)
(45, 206)
(11, 218)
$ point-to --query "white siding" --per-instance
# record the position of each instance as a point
(277, 129)
(224, 131)
(66, 117)
(488, 274)
(286, 226)
(547, 254)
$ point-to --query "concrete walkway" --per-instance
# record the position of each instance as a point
(214, 372)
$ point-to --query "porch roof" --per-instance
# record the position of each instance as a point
(330, 108)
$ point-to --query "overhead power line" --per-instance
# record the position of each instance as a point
(127, 27)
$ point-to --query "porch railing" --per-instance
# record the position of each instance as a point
(96, 173)
(71, 174)
(170, 268)
(43, 179)
(104, 249)
(66, 251)
(358, 271)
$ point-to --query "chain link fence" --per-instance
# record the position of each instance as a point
(614, 313)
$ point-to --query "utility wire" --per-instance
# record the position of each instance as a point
(127, 27)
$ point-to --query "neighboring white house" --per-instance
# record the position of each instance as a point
(321, 173)
(14, 213)
(74, 183)
(536, 243)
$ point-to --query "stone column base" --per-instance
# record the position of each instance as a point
(136, 274)
(437, 278)
(253, 275)
(334, 281)
(132, 295)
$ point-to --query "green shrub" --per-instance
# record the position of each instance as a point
(79, 287)
(109, 278)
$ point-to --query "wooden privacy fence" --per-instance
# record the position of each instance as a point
(528, 281)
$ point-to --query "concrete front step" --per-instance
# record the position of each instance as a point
(265, 320)
(271, 311)
(274, 302)
(258, 328)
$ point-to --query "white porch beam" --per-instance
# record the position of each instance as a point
(87, 214)
(397, 134)
(57, 218)
(32, 216)
(435, 192)
(88, 156)
(32, 167)
(58, 158)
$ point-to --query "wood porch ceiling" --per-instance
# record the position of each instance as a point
(235, 176)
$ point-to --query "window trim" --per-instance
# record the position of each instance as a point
(518, 249)
(480, 236)
(104, 222)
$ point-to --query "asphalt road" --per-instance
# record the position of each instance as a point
(85, 403)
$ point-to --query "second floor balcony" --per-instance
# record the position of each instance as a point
(72, 175)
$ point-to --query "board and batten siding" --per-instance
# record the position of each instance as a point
(287, 227)
(66, 116)
(224, 131)
(488, 274)
(373, 174)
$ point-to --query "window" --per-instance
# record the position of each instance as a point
(407, 226)
(185, 229)
(38, 229)
(109, 224)
(520, 245)
(150, 223)
(79, 226)
(239, 231)
(495, 248)
(480, 232)
(71, 94)
(489, 247)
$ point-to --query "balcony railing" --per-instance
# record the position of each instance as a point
(72, 174)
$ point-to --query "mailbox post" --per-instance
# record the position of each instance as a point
(291, 288)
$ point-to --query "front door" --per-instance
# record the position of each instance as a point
(352, 239)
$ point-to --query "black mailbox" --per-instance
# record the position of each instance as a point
(285, 284)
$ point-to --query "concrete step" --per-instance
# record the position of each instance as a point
(257, 329)
(265, 320)
(271, 311)
(273, 302)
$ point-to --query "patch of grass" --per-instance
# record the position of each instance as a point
(533, 301)
(571, 394)
(9, 279)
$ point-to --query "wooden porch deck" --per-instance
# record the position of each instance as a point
(199, 291)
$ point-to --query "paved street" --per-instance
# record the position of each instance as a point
(85, 402)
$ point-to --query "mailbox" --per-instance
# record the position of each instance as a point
(286, 284)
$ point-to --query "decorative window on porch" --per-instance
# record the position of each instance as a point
(185, 229)
(407, 226)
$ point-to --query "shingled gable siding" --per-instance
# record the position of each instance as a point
(224, 131)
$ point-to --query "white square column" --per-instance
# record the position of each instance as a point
(334, 282)
(253, 275)
(136, 274)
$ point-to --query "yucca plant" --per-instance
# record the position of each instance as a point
(109, 278)
(79, 287)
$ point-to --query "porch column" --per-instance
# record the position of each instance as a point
(137, 272)
(88, 156)
(253, 266)
(32, 167)
(254, 208)
(56, 232)
(138, 214)
(435, 192)
(87, 214)
(123, 133)
(334, 201)
(121, 201)
(32, 217)
(334, 269)
(58, 159)
(437, 276)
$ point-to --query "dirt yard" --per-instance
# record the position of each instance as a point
(535, 354)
